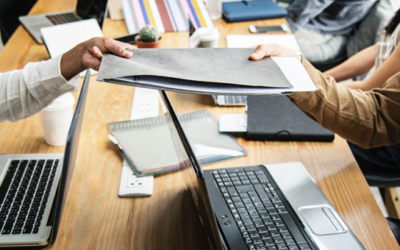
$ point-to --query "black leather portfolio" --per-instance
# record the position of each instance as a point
(276, 118)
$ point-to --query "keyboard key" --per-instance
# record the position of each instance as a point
(269, 241)
(278, 239)
(282, 229)
(251, 247)
(260, 246)
(282, 210)
(257, 240)
(290, 242)
(35, 230)
(16, 231)
(232, 191)
(7, 228)
(27, 229)
(304, 247)
(253, 234)
(290, 224)
(272, 248)
(265, 236)
(293, 247)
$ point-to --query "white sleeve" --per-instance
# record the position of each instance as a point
(25, 92)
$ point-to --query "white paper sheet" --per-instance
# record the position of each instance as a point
(63, 37)
(246, 41)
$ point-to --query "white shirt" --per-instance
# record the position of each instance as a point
(26, 92)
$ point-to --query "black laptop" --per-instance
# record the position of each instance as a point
(264, 207)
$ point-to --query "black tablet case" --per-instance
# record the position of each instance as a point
(276, 118)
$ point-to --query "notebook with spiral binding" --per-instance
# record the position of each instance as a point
(148, 147)
(276, 118)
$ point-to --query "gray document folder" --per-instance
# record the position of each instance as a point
(201, 71)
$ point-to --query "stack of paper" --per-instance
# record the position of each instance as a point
(166, 15)
(246, 41)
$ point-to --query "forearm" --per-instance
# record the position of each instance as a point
(27, 91)
(356, 65)
(368, 119)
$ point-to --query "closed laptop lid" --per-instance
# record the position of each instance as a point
(92, 9)
(71, 150)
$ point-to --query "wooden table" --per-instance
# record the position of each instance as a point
(94, 216)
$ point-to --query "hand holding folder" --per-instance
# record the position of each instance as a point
(206, 71)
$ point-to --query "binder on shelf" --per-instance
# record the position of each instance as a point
(241, 11)
(165, 15)
(148, 147)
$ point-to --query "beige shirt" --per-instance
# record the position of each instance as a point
(369, 119)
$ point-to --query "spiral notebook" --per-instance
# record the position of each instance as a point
(148, 147)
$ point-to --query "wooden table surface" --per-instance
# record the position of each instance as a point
(94, 216)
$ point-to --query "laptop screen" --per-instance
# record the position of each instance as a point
(71, 150)
(192, 173)
(92, 9)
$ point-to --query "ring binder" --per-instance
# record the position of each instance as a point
(149, 148)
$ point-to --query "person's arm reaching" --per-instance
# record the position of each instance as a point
(27, 91)
(369, 119)
(359, 64)
(389, 67)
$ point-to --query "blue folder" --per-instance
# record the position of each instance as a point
(251, 10)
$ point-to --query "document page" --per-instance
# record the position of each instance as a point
(246, 41)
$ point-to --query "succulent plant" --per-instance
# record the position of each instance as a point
(149, 34)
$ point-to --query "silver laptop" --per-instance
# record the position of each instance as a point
(34, 188)
(85, 9)
(264, 207)
(229, 100)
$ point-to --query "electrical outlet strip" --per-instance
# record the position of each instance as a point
(132, 186)
(146, 103)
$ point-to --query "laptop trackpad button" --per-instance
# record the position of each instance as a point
(322, 220)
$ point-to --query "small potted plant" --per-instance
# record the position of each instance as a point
(148, 38)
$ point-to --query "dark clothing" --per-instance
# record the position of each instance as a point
(329, 17)
(385, 158)
(10, 10)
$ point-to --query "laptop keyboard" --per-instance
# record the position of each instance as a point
(258, 209)
(64, 18)
(24, 194)
(235, 100)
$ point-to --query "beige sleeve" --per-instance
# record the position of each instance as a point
(369, 119)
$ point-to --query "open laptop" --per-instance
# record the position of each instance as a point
(265, 207)
(220, 100)
(85, 9)
(34, 188)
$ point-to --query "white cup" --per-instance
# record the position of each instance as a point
(214, 8)
(56, 119)
(208, 37)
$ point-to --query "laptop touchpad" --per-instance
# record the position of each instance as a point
(322, 220)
